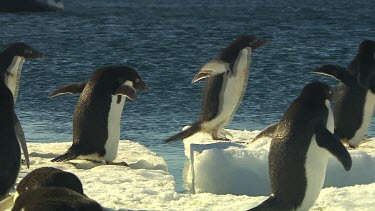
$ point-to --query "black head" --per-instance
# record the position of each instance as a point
(24, 50)
(241, 42)
(366, 64)
(316, 93)
(124, 74)
(49, 177)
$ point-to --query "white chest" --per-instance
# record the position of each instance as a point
(368, 111)
(316, 166)
(114, 120)
(235, 83)
(12, 79)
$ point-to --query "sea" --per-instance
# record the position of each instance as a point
(167, 41)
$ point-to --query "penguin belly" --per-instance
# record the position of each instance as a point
(316, 166)
(13, 79)
(315, 171)
(231, 95)
(368, 111)
(114, 121)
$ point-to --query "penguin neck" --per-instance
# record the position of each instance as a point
(242, 63)
(13, 74)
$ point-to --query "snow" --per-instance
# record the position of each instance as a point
(222, 167)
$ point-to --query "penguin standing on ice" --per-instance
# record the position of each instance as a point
(11, 62)
(10, 152)
(96, 124)
(300, 149)
(354, 106)
(224, 89)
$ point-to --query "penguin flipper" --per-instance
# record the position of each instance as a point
(69, 89)
(126, 90)
(214, 67)
(21, 138)
(330, 142)
(65, 157)
(267, 132)
(338, 73)
(196, 127)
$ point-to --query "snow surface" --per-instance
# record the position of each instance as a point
(147, 184)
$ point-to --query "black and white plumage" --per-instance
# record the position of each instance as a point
(224, 89)
(11, 62)
(10, 152)
(300, 150)
(354, 102)
(96, 123)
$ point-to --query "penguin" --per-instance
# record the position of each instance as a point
(11, 62)
(56, 199)
(300, 149)
(44, 177)
(224, 89)
(354, 105)
(96, 121)
(10, 152)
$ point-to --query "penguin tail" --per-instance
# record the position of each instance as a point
(70, 155)
(266, 133)
(267, 205)
(194, 128)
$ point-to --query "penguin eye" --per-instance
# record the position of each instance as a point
(330, 93)
(30, 51)
(25, 51)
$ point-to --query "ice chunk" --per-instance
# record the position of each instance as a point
(237, 168)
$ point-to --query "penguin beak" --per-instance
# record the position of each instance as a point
(37, 55)
(257, 43)
(141, 86)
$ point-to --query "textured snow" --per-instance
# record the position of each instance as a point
(147, 184)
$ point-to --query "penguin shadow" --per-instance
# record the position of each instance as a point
(89, 164)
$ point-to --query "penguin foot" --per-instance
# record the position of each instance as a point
(226, 133)
(221, 136)
(217, 138)
(352, 146)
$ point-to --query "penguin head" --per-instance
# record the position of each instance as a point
(316, 93)
(128, 76)
(23, 50)
(366, 64)
(229, 54)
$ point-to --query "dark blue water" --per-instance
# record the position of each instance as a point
(167, 41)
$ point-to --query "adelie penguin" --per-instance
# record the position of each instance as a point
(354, 97)
(96, 122)
(354, 103)
(224, 89)
(11, 62)
(10, 152)
(56, 199)
(49, 188)
(43, 177)
(300, 150)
